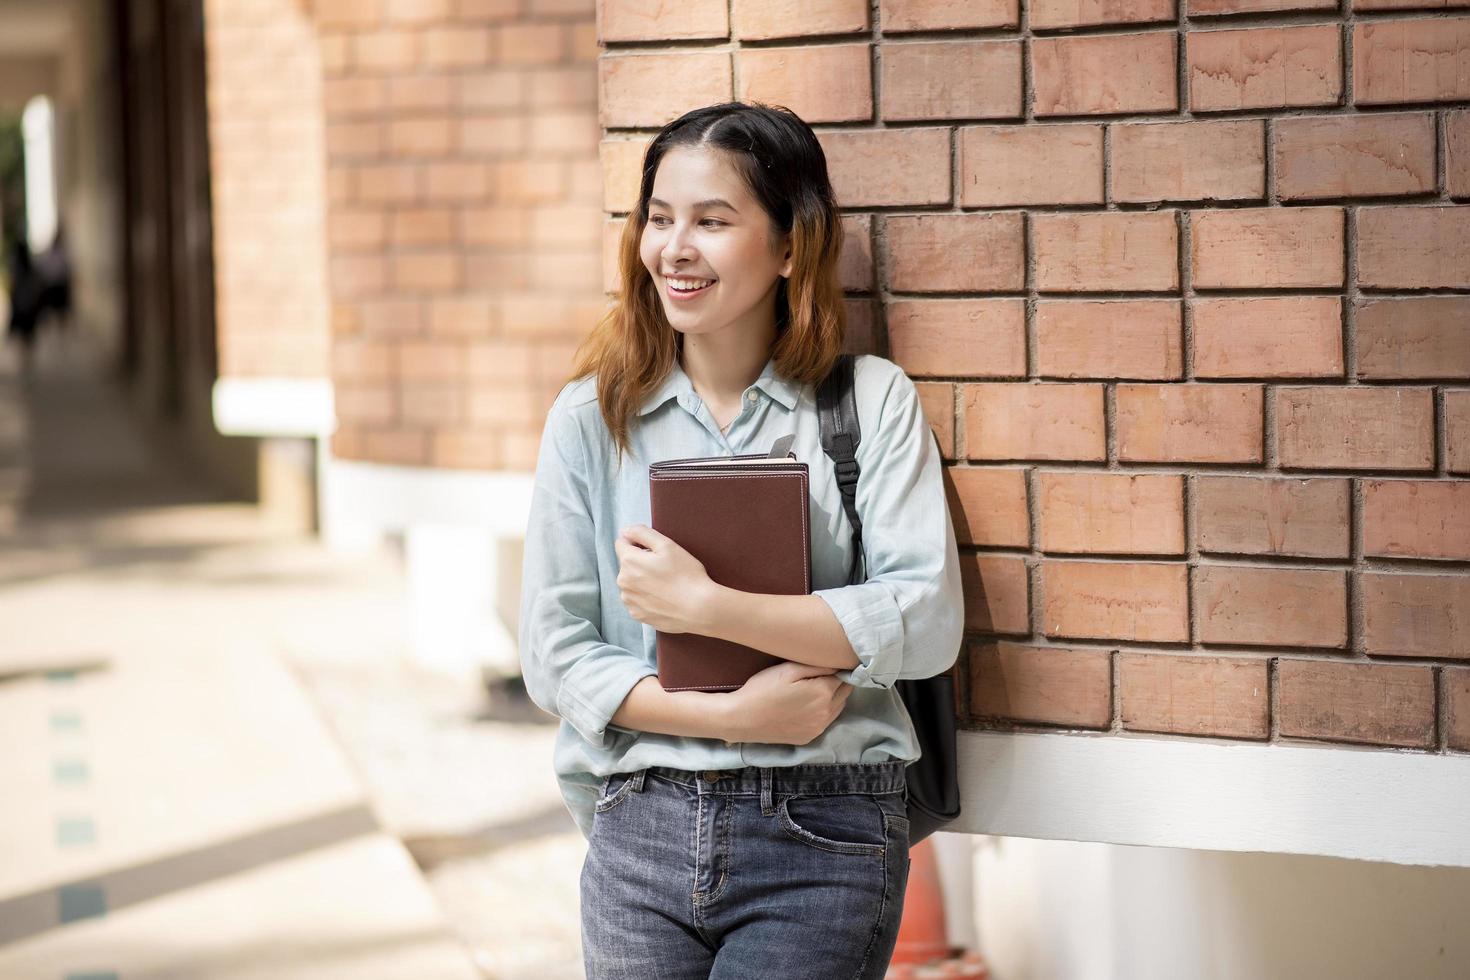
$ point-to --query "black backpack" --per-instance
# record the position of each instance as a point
(933, 781)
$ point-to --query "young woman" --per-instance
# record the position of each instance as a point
(758, 832)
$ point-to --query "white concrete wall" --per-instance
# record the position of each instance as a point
(1063, 910)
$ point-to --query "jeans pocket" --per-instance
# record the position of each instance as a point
(615, 789)
(847, 823)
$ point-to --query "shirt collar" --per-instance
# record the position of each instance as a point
(677, 384)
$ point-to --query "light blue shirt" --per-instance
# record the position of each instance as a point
(581, 651)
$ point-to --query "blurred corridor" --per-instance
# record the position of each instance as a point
(215, 744)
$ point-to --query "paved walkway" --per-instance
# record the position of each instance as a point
(215, 751)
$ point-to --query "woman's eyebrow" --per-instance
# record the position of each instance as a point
(709, 202)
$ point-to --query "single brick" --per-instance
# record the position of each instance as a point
(996, 593)
(1457, 152)
(974, 337)
(1117, 250)
(1109, 339)
(1414, 337)
(1252, 515)
(456, 47)
(855, 266)
(353, 96)
(1031, 164)
(1139, 69)
(1034, 421)
(1355, 427)
(622, 171)
(951, 80)
(654, 20)
(1114, 513)
(1416, 615)
(762, 19)
(385, 51)
(1227, 697)
(421, 92)
(942, 15)
(1256, 248)
(1411, 60)
(888, 166)
(1354, 156)
(431, 136)
(1042, 685)
(988, 505)
(1271, 606)
(1189, 161)
(1408, 4)
(428, 271)
(531, 44)
(936, 398)
(653, 89)
(469, 447)
(800, 78)
(1414, 247)
(1142, 601)
(529, 181)
(354, 230)
(492, 136)
(1379, 704)
(1264, 67)
(1051, 14)
(1201, 423)
(956, 252)
(1210, 8)
(1456, 685)
(347, 13)
(1268, 337)
(363, 359)
(1416, 518)
(1457, 430)
(456, 182)
(500, 88)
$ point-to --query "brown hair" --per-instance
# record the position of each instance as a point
(633, 347)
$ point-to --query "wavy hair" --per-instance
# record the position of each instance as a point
(633, 347)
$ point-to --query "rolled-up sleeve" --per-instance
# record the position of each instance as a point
(907, 619)
(568, 668)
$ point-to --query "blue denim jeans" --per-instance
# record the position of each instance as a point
(795, 871)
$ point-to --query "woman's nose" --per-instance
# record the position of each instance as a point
(677, 245)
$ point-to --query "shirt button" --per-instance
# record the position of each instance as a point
(751, 396)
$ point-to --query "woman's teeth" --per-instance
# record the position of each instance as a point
(688, 285)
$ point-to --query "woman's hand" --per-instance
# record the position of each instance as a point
(662, 584)
(787, 704)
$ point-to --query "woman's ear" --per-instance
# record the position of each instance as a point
(785, 270)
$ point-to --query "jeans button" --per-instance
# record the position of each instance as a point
(711, 776)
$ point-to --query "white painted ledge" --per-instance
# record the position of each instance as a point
(1342, 801)
(398, 497)
(298, 407)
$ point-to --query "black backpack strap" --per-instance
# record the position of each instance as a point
(838, 419)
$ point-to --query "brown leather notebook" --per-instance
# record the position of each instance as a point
(746, 519)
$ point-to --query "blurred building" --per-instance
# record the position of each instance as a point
(345, 248)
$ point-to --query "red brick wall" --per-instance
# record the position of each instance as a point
(265, 138)
(463, 221)
(1186, 299)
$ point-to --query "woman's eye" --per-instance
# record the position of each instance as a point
(658, 221)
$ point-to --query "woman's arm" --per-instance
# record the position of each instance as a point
(802, 628)
(786, 704)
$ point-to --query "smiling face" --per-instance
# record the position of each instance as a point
(706, 231)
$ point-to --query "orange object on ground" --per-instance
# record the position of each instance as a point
(921, 931)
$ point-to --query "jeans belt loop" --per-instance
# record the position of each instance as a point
(637, 780)
(767, 807)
